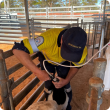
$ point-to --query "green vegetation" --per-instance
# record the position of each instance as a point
(50, 3)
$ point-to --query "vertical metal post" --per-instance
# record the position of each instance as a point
(81, 23)
(94, 38)
(3, 84)
(101, 42)
(94, 96)
(71, 11)
(4, 5)
(104, 12)
(27, 16)
(88, 35)
(47, 12)
(32, 27)
(99, 67)
(47, 15)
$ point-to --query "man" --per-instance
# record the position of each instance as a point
(65, 46)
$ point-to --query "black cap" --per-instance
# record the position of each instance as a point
(73, 44)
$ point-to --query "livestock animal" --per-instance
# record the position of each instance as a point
(57, 100)
(44, 105)
(60, 96)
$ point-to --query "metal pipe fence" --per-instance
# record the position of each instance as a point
(66, 12)
(7, 85)
(9, 102)
(15, 30)
(93, 30)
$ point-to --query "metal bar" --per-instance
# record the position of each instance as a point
(52, 23)
(20, 31)
(101, 42)
(18, 66)
(13, 35)
(8, 38)
(88, 37)
(94, 41)
(32, 27)
(33, 97)
(25, 91)
(13, 27)
(7, 54)
(21, 79)
(104, 12)
(58, 19)
(6, 42)
(27, 16)
(14, 68)
(13, 23)
(41, 98)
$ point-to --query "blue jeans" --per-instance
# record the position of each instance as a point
(61, 71)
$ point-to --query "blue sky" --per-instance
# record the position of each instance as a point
(98, 2)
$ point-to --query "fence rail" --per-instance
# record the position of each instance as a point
(9, 102)
(59, 12)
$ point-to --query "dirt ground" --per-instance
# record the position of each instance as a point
(79, 84)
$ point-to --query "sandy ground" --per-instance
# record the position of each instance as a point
(79, 84)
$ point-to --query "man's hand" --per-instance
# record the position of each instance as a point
(43, 76)
(62, 82)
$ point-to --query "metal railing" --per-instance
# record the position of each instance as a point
(15, 29)
(7, 85)
(12, 30)
(66, 12)
(93, 30)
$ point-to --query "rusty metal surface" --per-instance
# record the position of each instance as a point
(93, 99)
(95, 82)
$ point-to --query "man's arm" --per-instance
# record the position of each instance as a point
(26, 60)
(62, 82)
